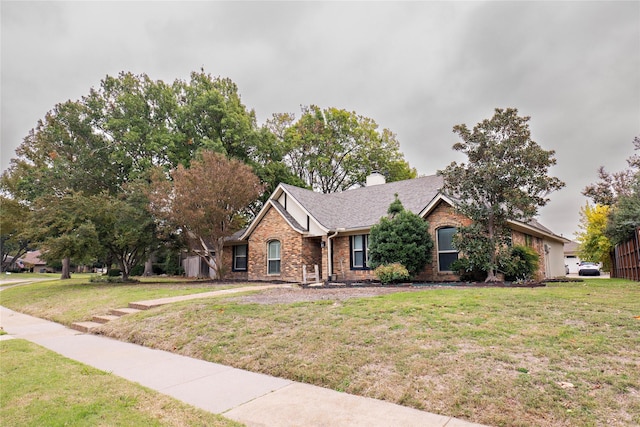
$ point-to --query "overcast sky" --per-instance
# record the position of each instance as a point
(416, 68)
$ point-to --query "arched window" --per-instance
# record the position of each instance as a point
(273, 257)
(446, 252)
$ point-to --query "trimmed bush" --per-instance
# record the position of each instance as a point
(392, 273)
(402, 237)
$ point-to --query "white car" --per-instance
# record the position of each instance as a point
(588, 269)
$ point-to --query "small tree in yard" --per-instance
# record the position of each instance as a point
(505, 179)
(205, 202)
(402, 237)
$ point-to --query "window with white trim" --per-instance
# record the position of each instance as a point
(447, 253)
(359, 252)
(240, 258)
(273, 257)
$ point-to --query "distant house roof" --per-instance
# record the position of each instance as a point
(571, 248)
(363, 207)
(33, 258)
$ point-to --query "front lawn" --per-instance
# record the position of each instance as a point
(42, 388)
(566, 354)
(561, 355)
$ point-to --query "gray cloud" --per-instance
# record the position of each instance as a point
(417, 68)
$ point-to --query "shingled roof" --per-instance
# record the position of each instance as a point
(363, 207)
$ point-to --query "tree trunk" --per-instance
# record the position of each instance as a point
(66, 268)
(148, 266)
(125, 271)
(491, 273)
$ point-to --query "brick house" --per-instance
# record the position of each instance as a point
(299, 228)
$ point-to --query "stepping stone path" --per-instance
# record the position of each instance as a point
(135, 307)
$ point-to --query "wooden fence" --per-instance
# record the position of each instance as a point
(625, 259)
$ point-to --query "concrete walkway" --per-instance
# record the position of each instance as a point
(250, 398)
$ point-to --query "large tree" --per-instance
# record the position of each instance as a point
(61, 227)
(110, 139)
(505, 178)
(124, 227)
(333, 149)
(206, 202)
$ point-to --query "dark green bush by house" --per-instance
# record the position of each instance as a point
(402, 237)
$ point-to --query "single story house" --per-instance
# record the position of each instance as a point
(34, 263)
(299, 229)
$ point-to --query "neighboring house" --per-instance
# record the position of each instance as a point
(571, 258)
(299, 227)
(32, 261)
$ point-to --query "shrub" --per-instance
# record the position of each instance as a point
(391, 273)
(114, 272)
(521, 264)
(402, 238)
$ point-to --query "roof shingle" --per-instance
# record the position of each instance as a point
(363, 207)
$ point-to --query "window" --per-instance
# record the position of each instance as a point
(273, 257)
(240, 258)
(446, 252)
(360, 252)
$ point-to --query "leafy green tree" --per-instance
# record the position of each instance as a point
(402, 237)
(60, 226)
(505, 177)
(594, 245)
(13, 243)
(124, 227)
(332, 150)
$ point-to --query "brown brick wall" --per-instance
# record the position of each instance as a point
(295, 250)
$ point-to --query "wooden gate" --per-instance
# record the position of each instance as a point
(625, 259)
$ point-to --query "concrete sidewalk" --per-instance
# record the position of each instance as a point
(247, 397)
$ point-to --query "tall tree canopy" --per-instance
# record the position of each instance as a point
(206, 201)
(332, 149)
(506, 177)
(110, 141)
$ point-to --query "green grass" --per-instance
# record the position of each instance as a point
(29, 276)
(561, 355)
(42, 388)
(566, 354)
(68, 301)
